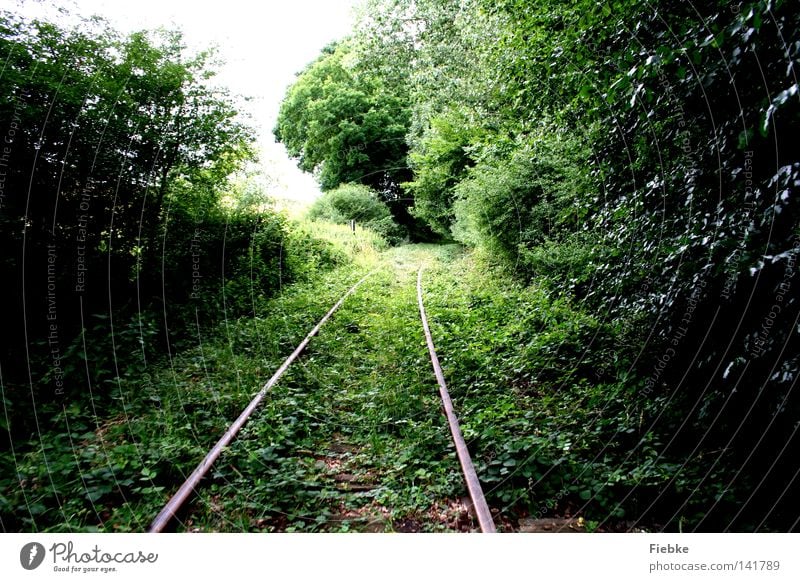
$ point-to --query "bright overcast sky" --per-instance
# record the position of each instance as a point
(262, 43)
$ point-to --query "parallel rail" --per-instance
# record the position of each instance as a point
(473, 484)
(470, 476)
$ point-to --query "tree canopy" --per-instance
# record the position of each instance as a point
(346, 124)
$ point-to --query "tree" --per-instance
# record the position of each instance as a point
(636, 156)
(345, 124)
(99, 129)
(346, 120)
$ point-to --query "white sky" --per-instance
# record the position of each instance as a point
(262, 43)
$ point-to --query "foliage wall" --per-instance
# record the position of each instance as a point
(114, 155)
(639, 158)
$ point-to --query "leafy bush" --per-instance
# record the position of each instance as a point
(512, 202)
(439, 160)
(359, 203)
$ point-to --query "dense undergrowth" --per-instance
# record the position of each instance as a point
(540, 388)
(102, 460)
(557, 424)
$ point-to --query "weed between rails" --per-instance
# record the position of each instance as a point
(352, 438)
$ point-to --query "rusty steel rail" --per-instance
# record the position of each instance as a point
(172, 506)
(473, 484)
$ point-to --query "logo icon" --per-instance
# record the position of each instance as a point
(31, 555)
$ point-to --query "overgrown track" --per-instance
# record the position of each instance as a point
(192, 482)
(172, 506)
(473, 485)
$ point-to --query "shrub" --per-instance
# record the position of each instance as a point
(510, 203)
(359, 203)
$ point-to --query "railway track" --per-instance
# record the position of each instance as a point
(192, 483)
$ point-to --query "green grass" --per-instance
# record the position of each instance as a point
(352, 438)
(542, 391)
(362, 246)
